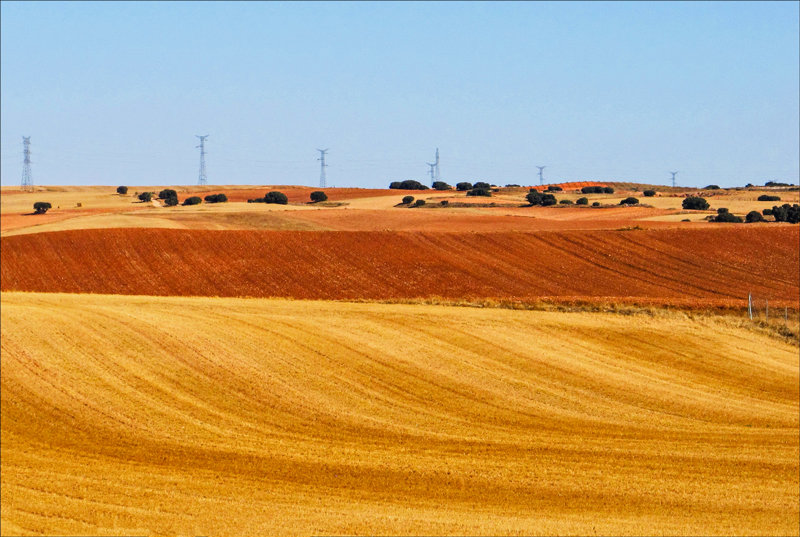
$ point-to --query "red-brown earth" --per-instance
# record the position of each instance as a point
(707, 266)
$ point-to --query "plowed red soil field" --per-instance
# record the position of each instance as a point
(706, 265)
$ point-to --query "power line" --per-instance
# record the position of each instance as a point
(673, 178)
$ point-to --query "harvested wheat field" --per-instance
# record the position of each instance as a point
(213, 416)
(704, 266)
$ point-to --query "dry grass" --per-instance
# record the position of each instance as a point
(209, 416)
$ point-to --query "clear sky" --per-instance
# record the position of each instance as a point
(114, 93)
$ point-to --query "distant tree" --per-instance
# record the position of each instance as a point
(534, 197)
(565, 202)
(629, 201)
(767, 197)
(171, 202)
(582, 201)
(145, 196)
(512, 186)
(409, 184)
(276, 197)
(753, 216)
(554, 188)
(216, 198)
(444, 203)
(480, 191)
(649, 193)
(481, 185)
(318, 195)
(419, 203)
(194, 200)
(441, 185)
(787, 213)
(41, 207)
(122, 190)
(608, 190)
(767, 212)
(408, 200)
(596, 204)
(712, 187)
(167, 193)
(773, 183)
(749, 185)
(695, 203)
(725, 216)
(463, 186)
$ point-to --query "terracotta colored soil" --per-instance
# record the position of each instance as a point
(721, 265)
(300, 194)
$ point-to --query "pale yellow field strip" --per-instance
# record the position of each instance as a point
(209, 416)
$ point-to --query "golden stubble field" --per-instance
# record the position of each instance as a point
(216, 416)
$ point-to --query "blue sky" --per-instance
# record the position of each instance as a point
(113, 93)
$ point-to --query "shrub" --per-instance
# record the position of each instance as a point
(629, 201)
(167, 193)
(40, 207)
(408, 184)
(712, 187)
(419, 203)
(408, 199)
(582, 201)
(171, 202)
(725, 216)
(480, 192)
(441, 185)
(695, 203)
(463, 186)
(276, 197)
(592, 190)
(257, 200)
(787, 213)
(554, 188)
(216, 198)
(512, 186)
(194, 200)
(773, 183)
(122, 190)
(767, 197)
(722, 210)
(480, 185)
(318, 195)
(565, 202)
(608, 190)
(767, 212)
(145, 196)
(444, 203)
(649, 193)
(596, 204)
(749, 185)
(753, 216)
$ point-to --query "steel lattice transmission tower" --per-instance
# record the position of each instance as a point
(673, 178)
(201, 178)
(322, 166)
(541, 177)
(27, 179)
(434, 171)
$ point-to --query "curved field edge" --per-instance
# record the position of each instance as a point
(711, 266)
(215, 416)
